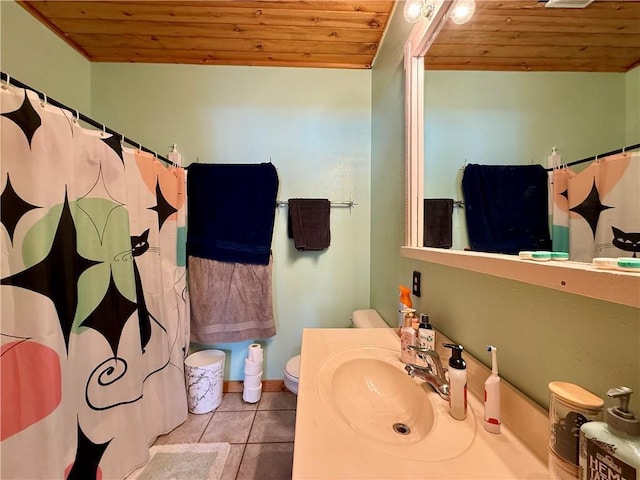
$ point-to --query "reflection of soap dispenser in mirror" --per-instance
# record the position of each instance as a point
(457, 382)
(492, 395)
(611, 449)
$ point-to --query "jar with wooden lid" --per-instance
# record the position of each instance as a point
(570, 406)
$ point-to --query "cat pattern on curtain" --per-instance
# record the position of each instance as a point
(94, 320)
(597, 211)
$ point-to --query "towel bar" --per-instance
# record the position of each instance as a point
(349, 204)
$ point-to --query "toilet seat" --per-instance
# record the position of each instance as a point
(292, 374)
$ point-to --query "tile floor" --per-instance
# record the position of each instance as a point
(261, 435)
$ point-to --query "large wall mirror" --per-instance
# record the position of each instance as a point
(494, 94)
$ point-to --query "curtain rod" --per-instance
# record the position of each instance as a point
(81, 116)
(595, 157)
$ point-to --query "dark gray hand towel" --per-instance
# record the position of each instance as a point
(437, 222)
(309, 222)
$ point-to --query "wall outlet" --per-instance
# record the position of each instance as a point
(415, 284)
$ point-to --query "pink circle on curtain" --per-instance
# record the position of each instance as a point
(30, 385)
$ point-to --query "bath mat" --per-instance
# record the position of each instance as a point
(186, 461)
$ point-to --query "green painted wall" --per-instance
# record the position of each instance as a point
(31, 53)
(632, 83)
(542, 335)
(313, 124)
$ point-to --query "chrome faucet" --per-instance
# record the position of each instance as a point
(437, 380)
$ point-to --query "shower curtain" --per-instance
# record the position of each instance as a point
(94, 316)
(596, 212)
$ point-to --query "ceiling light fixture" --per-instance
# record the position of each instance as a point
(415, 9)
(463, 11)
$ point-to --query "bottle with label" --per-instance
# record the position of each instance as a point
(457, 382)
(426, 333)
(611, 449)
(408, 337)
(405, 302)
(426, 337)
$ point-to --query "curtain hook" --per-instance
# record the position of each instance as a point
(7, 82)
(43, 103)
(77, 117)
(596, 159)
(104, 131)
(122, 138)
(623, 151)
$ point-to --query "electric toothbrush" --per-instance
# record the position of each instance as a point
(492, 395)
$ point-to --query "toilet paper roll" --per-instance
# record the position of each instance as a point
(253, 381)
(252, 368)
(252, 395)
(255, 353)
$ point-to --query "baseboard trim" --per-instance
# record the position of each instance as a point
(236, 386)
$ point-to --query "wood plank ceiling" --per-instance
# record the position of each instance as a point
(524, 35)
(330, 33)
(520, 35)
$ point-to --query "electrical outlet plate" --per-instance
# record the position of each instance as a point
(415, 284)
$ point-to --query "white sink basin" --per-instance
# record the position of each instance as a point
(367, 393)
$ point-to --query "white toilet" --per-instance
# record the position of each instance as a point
(360, 318)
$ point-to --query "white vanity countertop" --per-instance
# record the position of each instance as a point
(325, 450)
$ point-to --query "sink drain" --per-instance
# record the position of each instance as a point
(401, 428)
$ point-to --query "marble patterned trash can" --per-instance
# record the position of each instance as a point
(204, 373)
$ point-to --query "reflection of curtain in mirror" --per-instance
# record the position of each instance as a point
(598, 209)
(93, 331)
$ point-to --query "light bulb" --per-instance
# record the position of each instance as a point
(413, 10)
(463, 11)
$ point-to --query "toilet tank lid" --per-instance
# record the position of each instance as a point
(368, 318)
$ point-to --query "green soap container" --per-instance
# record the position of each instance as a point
(629, 264)
(541, 256)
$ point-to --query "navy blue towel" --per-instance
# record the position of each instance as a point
(231, 211)
(506, 208)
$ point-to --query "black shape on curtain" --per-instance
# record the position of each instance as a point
(163, 208)
(56, 276)
(13, 208)
(115, 144)
(26, 118)
(111, 315)
(591, 208)
(88, 456)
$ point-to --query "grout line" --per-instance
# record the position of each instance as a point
(206, 426)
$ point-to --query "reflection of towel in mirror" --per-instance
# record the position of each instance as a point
(506, 208)
(230, 302)
(437, 222)
(308, 223)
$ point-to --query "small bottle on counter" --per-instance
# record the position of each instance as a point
(611, 449)
(426, 333)
(408, 337)
(457, 382)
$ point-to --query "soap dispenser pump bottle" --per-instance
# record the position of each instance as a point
(457, 382)
(611, 449)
